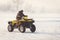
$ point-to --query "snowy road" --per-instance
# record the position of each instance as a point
(45, 29)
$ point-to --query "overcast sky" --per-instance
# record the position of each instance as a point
(43, 5)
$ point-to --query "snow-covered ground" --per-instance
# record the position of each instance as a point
(47, 27)
(46, 14)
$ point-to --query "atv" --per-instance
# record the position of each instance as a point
(22, 25)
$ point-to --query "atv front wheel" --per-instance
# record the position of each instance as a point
(10, 28)
(32, 28)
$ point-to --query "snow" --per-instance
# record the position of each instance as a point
(46, 14)
(47, 27)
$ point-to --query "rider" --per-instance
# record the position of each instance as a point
(19, 15)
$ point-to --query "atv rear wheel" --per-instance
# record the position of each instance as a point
(22, 29)
(32, 28)
(10, 28)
